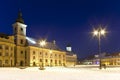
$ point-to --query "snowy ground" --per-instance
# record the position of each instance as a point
(60, 73)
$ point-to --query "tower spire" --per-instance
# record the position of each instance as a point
(19, 18)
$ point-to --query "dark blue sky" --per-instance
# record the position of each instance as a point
(66, 21)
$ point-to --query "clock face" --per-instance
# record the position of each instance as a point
(68, 49)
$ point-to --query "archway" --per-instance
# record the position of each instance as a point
(21, 63)
(34, 64)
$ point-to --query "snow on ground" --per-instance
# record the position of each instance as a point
(59, 73)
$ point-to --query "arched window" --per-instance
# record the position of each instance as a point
(21, 41)
(21, 29)
(33, 52)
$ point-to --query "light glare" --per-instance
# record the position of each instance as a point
(32, 41)
(95, 32)
(103, 32)
(43, 43)
(50, 51)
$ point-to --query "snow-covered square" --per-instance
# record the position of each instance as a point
(59, 73)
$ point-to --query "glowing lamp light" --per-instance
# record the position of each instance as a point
(43, 43)
(103, 32)
(50, 51)
(95, 32)
(99, 31)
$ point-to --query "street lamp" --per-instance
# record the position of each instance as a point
(42, 44)
(99, 32)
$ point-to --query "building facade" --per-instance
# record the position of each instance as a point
(16, 50)
(112, 60)
(7, 50)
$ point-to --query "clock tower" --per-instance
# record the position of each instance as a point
(19, 31)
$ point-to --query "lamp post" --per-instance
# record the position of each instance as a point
(99, 32)
(42, 44)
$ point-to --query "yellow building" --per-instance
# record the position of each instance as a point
(47, 57)
(112, 60)
(71, 59)
(6, 50)
(17, 50)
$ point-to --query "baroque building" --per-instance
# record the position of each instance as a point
(17, 50)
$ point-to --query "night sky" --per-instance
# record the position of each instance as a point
(66, 21)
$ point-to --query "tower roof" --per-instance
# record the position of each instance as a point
(19, 18)
(68, 45)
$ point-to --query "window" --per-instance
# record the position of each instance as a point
(55, 55)
(15, 29)
(21, 41)
(21, 52)
(46, 60)
(33, 57)
(21, 29)
(0, 46)
(51, 61)
(51, 56)
(0, 62)
(55, 61)
(6, 61)
(11, 48)
(59, 55)
(46, 54)
(6, 54)
(33, 52)
(59, 62)
(11, 54)
(0, 53)
(40, 60)
(6, 47)
(40, 53)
